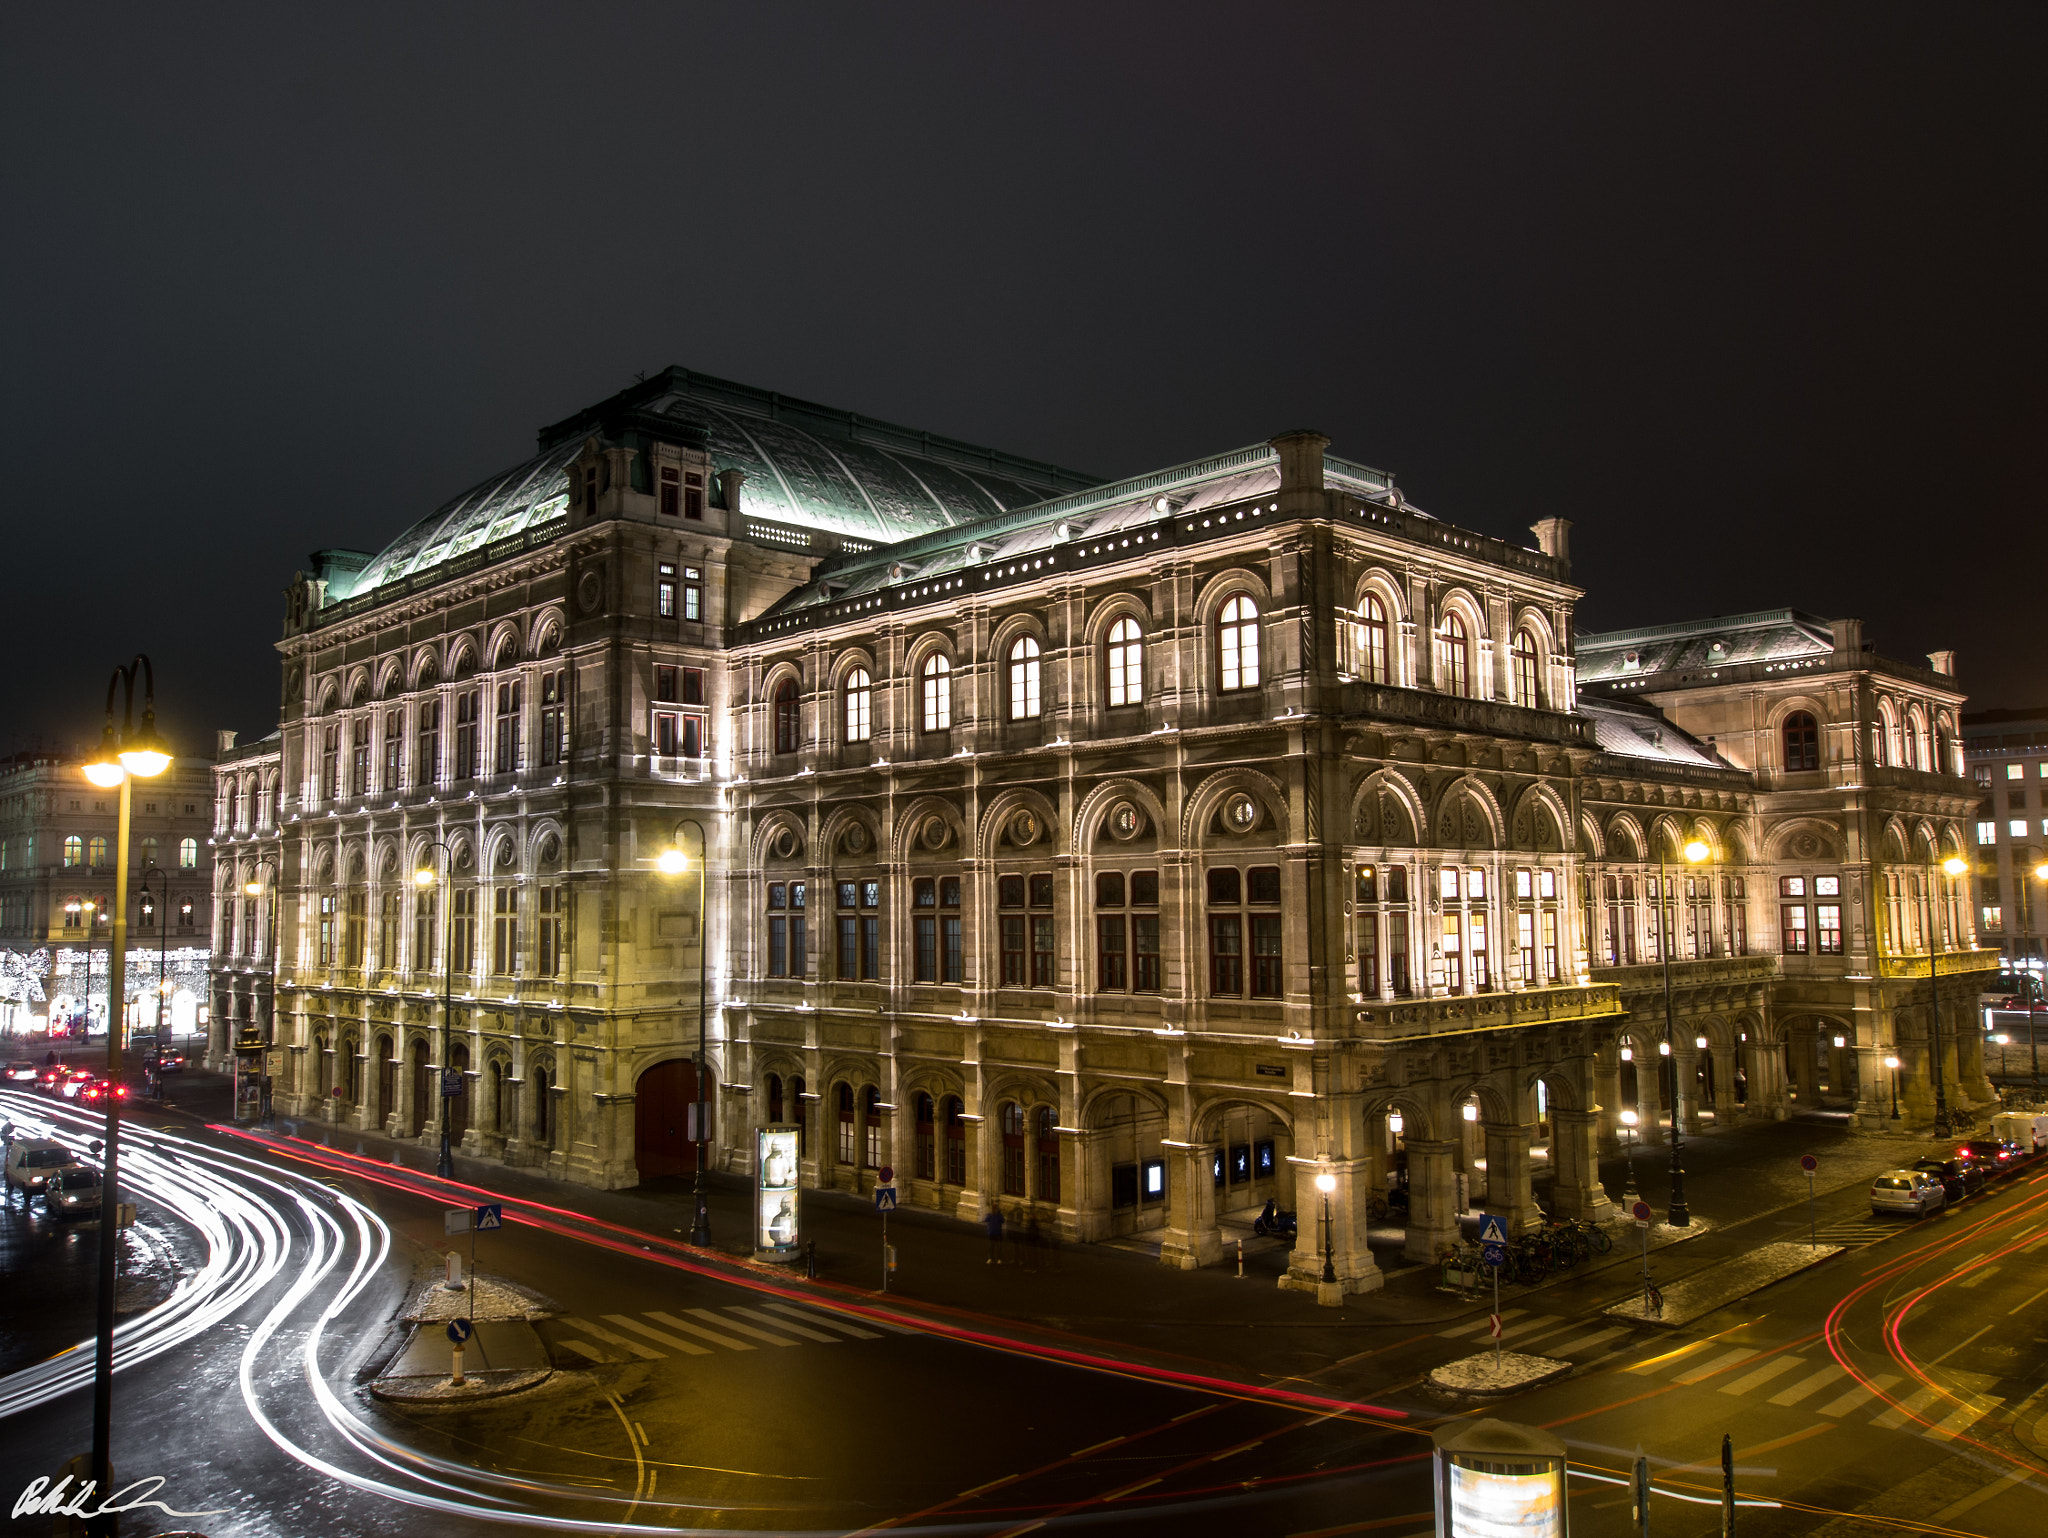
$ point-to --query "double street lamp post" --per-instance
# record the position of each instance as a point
(161, 901)
(674, 862)
(1694, 852)
(127, 755)
(425, 877)
(256, 889)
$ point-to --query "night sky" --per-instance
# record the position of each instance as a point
(1752, 294)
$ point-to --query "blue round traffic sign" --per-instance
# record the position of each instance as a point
(1493, 1255)
(458, 1330)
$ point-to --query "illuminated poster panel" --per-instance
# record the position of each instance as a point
(1487, 1505)
(775, 1190)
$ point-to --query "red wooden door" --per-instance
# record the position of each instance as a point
(661, 1120)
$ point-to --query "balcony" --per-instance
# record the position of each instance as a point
(1463, 1015)
(1907, 968)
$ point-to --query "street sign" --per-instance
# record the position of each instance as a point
(887, 1175)
(1641, 1211)
(458, 1330)
(1493, 1326)
(1808, 1163)
(456, 1220)
(451, 1083)
(491, 1215)
(1491, 1230)
(1493, 1256)
(885, 1198)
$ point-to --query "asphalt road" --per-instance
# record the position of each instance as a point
(1899, 1383)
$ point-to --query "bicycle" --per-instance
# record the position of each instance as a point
(1653, 1298)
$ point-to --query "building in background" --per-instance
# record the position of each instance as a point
(2007, 753)
(57, 848)
(245, 852)
(1125, 852)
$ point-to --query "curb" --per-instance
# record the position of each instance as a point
(441, 1391)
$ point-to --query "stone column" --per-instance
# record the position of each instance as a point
(1432, 1198)
(1973, 1084)
(1685, 1078)
(1508, 1194)
(1873, 1087)
(1576, 1189)
(1607, 1090)
(1649, 1099)
(1475, 1138)
(1726, 1112)
(1350, 1256)
(1190, 1240)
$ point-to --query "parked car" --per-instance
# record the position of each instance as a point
(47, 1079)
(1994, 1156)
(73, 1192)
(1958, 1178)
(95, 1092)
(2011, 990)
(31, 1161)
(1914, 1192)
(21, 1072)
(73, 1081)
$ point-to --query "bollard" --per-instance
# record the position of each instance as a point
(456, 1377)
(1240, 1260)
(454, 1282)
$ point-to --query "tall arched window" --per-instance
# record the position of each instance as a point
(1238, 644)
(938, 693)
(74, 850)
(1453, 657)
(925, 1147)
(1802, 741)
(1372, 642)
(1024, 680)
(96, 850)
(1010, 1118)
(1044, 1124)
(1126, 660)
(871, 1128)
(860, 691)
(843, 1098)
(773, 1084)
(953, 1117)
(1524, 656)
(188, 854)
(787, 717)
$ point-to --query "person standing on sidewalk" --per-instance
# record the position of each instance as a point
(994, 1224)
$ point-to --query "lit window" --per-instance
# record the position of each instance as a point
(2017, 827)
(1453, 657)
(938, 693)
(1024, 679)
(665, 591)
(859, 701)
(787, 716)
(1238, 644)
(1994, 918)
(1987, 832)
(96, 850)
(2018, 771)
(1126, 663)
(1372, 642)
(74, 850)
(1524, 653)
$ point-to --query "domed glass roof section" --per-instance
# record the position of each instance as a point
(815, 467)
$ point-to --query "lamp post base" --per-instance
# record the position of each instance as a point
(445, 1166)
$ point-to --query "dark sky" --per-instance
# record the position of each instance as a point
(1752, 293)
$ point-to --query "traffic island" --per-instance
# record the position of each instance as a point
(502, 1351)
(1718, 1285)
(1481, 1377)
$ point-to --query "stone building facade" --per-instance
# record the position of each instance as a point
(1128, 853)
(2007, 755)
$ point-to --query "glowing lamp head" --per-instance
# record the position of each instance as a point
(1700, 1042)
(253, 888)
(1628, 1118)
(1663, 1049)
(105, 772)
(1955, 865)
(1841, 1041)
(673, 862)
(1470, 1111)
(1326, 1182)
(1892, 1063)
(2041, 872)
(144, 755)
(1697, 851)
(1628, 1054)
(1394, 1122)
(423, 877)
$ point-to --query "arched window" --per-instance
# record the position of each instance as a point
(956, 1141)
(925, 1146)
(1045, 1121)
(188, 854)
(1010, 1116)
(1372, 642)
(1802, 741)
(938, 693)
(843, 1099)
(860, 693)
(148, 853)
(774, 1087)
(1024, 680)
(74, 850)
(1237, 641)
(1524, 657)
(1126, 661)
(871, 1128)
(543, 1109)
(1453, 657)
(787, 716)
(96, 850)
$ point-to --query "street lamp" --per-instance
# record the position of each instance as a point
(124, 756)
(425, 877)
(1628, 1152)
(2033, 1002)
(161, 900)
(1694, 852)
(1326, 1183)
(1954, 866)
(1892, 1062)
(673, 862)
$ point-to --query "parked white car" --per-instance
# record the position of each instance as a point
(1913, 1192)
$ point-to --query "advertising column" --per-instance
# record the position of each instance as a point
(777, 1227)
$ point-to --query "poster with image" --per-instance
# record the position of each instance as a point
(776, 1167)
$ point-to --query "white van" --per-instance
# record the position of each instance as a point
(2029, 1129)
(31, 1161)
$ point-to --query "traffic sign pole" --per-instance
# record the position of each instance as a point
(1809, 1163)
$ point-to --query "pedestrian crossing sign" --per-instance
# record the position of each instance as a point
(885, 1198)
(491, 1215)
(1491, 1231)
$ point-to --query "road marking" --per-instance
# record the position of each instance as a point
(614, 1338)
(627, 1322)
(1952, 1350)
(782, 1324)
(1467, 1329)
(1538, 1329)
(2043, 1293)
(641, 1432)
(1232, 1452)
(1762, 1375)
(1587, 1342)
(697, 1329)
(1979, 1277)
(993, 1484)
(1844, 1403)
(1707, 1369)
(584, 1348)
(827, 1320)
(744, 1329)
(1911, 1405)
(1117, 1495)
(1807, 1385)
(1084, 1452)
(1644, 1368)
(1971, 1410)
(1977, 1498)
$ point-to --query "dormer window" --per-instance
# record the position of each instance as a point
(693, 495)
(671, 490)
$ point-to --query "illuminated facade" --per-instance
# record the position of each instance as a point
(1125, 853)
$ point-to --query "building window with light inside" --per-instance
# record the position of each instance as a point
(1237, 644)
(1125, 661)
(1453, 656)
(1792, 915)
(188, 854)
(74, 850)
(786, 941)
(937, 681)
(1025, 702)
(554, 718)
(859, 705)
(1370, 642)
(1523, 656)
(665, 590)
(1464, 931)
(505, 932)
(1987, 832)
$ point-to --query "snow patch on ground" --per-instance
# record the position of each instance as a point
(1481, 1375)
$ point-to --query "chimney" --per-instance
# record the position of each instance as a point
(729, 484)
(1554, 538)
(1301, 469)
(1943, 663)
(1848, 635)
(223, 743)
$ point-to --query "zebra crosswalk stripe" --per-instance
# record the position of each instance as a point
(829, 1321)
(1911, 1405)
(1480, 1324)
(673, 1342)
(1812, 1383)
(1708, 1369)
(1970, 1411)
(785, 1324)
(744, 1329)
(614, 1338)
(1842, 1404)
(728, 1341)
(1771, 1369)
